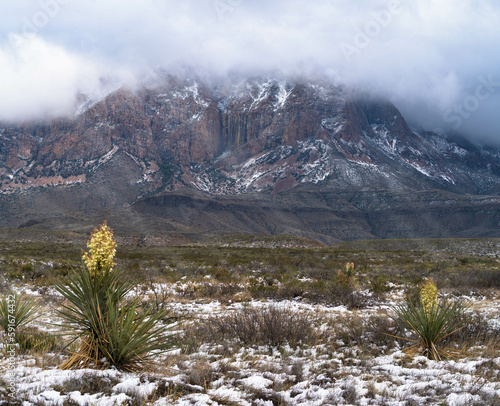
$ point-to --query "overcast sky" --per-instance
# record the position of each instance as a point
(437, 60)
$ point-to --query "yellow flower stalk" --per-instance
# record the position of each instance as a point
(428, 295)
(102, 250)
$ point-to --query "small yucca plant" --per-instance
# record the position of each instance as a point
(111, 331)
(431, 322)
(347, 275)
(16, 311)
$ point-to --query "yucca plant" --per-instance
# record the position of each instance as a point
(347, 274)
(16, 311)
(431, 322)
(111, 331)
(90, 298)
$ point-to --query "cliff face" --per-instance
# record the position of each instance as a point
(255, 135)
(258, 135)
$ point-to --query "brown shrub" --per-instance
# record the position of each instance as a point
(273, 326)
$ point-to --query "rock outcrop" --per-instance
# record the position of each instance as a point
(264, 136)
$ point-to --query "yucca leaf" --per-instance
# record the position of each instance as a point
(21, 309)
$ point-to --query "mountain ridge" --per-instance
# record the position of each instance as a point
(251, 138)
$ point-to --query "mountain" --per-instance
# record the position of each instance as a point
(258, 156)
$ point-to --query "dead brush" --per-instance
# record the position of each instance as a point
(367, 334)
(273, 326)
(478, 337)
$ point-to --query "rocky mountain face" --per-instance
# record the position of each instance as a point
(254, 156)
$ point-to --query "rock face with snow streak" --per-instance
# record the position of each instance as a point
(263, 136)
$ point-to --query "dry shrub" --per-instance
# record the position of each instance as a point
(202, 374)
(273, 326)
(473, 279)
(219, 291)
(368, 334)
(212, 290)
(346, 294)
(88, 383)
(477, 333)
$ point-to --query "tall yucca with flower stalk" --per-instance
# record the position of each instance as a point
(110, 330)
(431, 322)
(102, 250)
(346, 275)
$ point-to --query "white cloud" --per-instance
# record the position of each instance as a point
(38, 78)
(426, 55)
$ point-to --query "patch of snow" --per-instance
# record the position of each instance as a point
(230, 395)
(461, 399)
(196, 117)
(108, 155)
(132, 384)
(192, 91)
(282, 95)
(225, 154)
(384, 140)
(458, 151)
(256, 382)
(203, 183)
(249, 163)
(419, 168)
(334, 124)
(447, 178)
(262, 93)
(91, 99)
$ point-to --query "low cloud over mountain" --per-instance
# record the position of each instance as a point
(428, 57)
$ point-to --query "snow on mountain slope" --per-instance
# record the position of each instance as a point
(261, 134)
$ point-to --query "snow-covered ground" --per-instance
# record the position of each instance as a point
(329, 371)
(304, 377)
